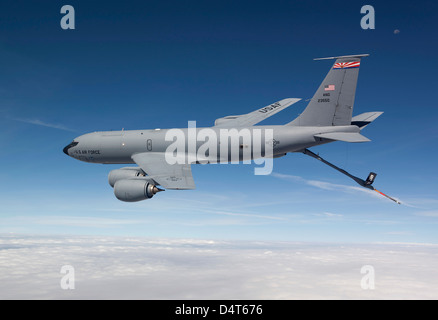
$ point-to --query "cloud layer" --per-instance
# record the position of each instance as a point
(138, 268)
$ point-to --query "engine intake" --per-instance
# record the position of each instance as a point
(134, 190)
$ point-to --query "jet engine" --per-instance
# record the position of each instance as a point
(132, 190)
(124, 173)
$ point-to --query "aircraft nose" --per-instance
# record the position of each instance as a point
(71, 145)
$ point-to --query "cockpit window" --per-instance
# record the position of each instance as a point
(71, 145)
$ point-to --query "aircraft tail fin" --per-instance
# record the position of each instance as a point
(332, 104)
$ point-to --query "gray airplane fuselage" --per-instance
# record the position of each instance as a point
(118, 147)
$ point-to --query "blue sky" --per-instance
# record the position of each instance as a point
(145, 64)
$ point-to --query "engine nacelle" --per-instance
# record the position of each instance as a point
(134, 190)
(124, 173)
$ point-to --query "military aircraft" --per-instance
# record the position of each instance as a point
(327, 118)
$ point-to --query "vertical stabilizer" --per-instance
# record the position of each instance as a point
(332, 104)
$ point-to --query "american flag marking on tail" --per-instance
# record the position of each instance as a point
(330, 87)
(346, 65)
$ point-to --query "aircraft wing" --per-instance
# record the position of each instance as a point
(176, 176)
(255, 117)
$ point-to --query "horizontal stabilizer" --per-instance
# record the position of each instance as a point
(343, 136)
(364, 119)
